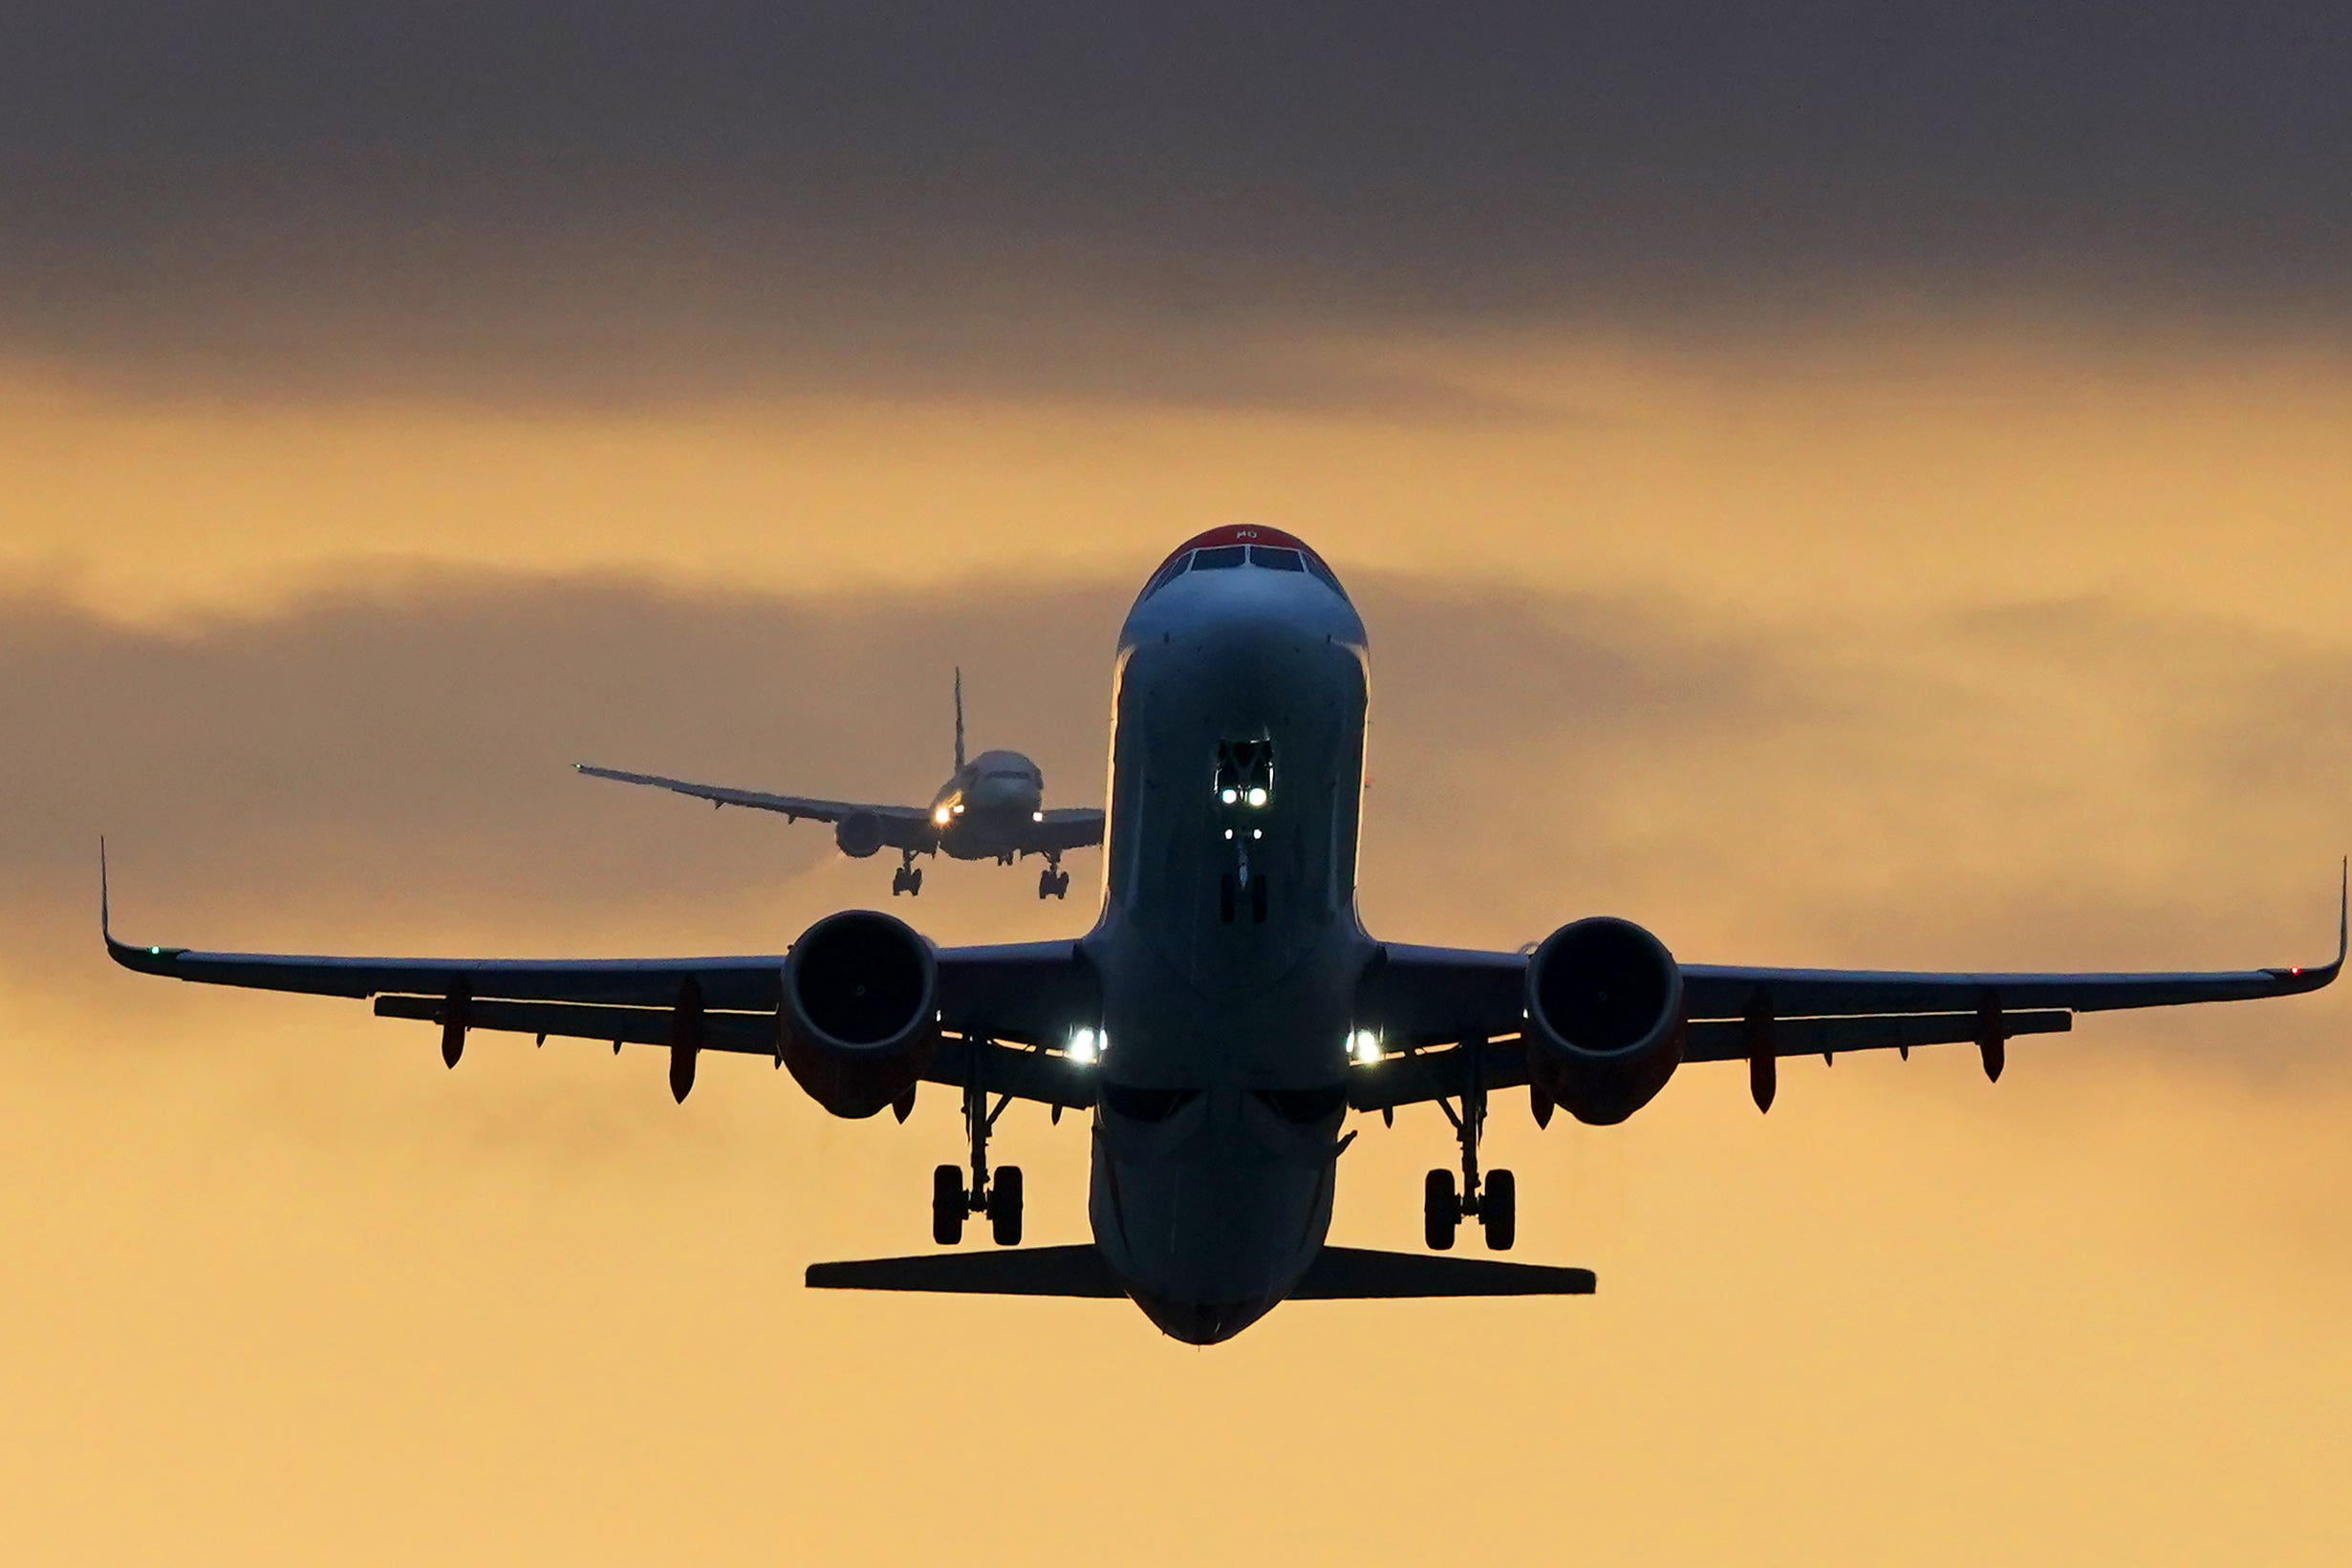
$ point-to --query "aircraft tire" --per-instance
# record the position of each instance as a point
(1498, 1210)
(1441, 1210)
(947, 1205)
(1005, 1206)
(915, 882)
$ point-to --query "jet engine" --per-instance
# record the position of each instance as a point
(859, 834)
(1605, 1019)
(860, 1010)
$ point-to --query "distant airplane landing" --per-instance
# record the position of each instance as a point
(992, 807)
(1228, 1008)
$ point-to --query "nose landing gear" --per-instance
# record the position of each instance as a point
(953, 1199)
(908, 878)
(1495, 1202)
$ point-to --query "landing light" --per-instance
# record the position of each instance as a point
(1257, 795)
(940, 816)
(1365, 1046)
(1229, 795)
(1037, 816)
(1085, 1045)
(957, 808)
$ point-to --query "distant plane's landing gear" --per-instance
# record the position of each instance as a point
(908, 878)
(953, 1199)
(1495, 1203)
(1053, 882)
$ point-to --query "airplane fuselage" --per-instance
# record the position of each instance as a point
(986, 809)
(1228, 945)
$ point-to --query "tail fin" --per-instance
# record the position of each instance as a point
(959, 719)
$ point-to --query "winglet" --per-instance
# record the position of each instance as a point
(150, 960)
(2343, 913)
(2308, 977)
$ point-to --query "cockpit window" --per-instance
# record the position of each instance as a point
(1289, 556)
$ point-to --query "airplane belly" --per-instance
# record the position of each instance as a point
(1205, 1219)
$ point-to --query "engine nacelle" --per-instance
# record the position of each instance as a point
(1605, 1019)
(860, 1010)
(858, 834)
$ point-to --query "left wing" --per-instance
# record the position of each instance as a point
(903, 827)
(1001, 1005)
(1422, 998)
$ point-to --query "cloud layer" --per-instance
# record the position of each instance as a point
(523, 198)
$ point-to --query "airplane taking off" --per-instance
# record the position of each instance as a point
(1227, 1009)
(992, 807)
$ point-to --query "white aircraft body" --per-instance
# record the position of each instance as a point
(1228, 1008)
(992, 807)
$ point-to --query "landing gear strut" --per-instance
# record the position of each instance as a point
(953, 1199)
(908, 878)
(1053, 882)
(1495, 1202)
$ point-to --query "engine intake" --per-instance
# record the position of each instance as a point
(860, 1010)
(1605, 1019)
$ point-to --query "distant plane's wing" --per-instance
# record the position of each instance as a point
(903, 827)
(1422, 999)
(1069, 827)
(1006, 1009)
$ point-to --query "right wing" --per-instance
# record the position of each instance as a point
(903, 827)
(1429, 1001)
(1063, 828)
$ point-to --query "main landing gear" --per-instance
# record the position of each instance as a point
(1495, 1201)
(908, 878)
(1053, 882)
(952, 1200)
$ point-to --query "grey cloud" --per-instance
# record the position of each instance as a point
(933, 186)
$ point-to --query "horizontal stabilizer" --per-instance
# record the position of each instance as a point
(1018, 1270)
(1338, 1273)
(1346, 1274)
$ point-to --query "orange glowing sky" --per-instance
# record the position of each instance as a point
(1941, 598)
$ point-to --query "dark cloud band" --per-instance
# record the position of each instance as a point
(935, 186)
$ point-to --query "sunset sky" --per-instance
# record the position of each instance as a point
(1837, 484)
